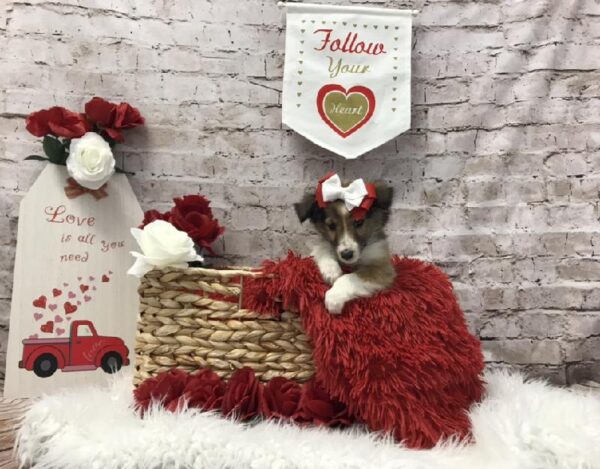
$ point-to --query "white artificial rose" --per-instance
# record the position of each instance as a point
(162, 245)
(90, 162)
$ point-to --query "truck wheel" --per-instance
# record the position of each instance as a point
(45, 365)
(111, 362)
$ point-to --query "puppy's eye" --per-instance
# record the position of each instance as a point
(331, 225)
(358, 223)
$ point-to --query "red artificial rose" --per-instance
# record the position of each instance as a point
(100, 111)
(193, 215)
(127, 117)
(116, 135)
(243, 395)
(57, 121)
(281, 398)
(111, 117)
(204, 390)
(318, 407)
(165, 388)
(153, 215)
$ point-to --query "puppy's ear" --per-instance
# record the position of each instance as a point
(385, 194)
(306, 207)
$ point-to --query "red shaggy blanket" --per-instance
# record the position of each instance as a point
(402, 361)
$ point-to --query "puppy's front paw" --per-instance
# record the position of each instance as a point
(334, 301)
(330, 271)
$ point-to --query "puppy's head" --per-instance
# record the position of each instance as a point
(347, 236)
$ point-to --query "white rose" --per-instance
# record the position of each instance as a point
(162, 245)
(90, 162)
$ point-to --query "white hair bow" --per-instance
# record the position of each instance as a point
(352, 195)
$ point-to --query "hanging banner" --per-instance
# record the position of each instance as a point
(346, 84)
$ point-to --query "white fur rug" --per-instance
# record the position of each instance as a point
(520, 425)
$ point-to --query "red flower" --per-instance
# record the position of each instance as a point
(204, 390)
(243, 395)
(318, 407)
(127, 117)
(153, 215)
(193, 215)
(166, 388)
(100, 111)
(280, 398)
(112, 117)
(57, 121)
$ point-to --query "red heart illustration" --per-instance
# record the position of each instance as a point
(58, 318)
(40, 302)
(83, 288)
(87, 298)
(37, 316)
(70, 308)
(345, 118)
(48, 327)
(105, 278)
(60, 331)
(52, 307)
(56, 292)
(72, 295)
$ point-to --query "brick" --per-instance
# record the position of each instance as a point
(521, 10)
(551, 296)
(499, 298)
(583, 325)
(582, 349)
(468, 246)
(536, 270)
(579, 269)
(484, 192)
(439, 14)
(503, 326)
(458, 40)
(541, 324)
(524, 351)
(249, 218)
(492, 271)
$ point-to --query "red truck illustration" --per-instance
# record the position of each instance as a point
(83, 350)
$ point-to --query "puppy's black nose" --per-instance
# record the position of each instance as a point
(347, 254)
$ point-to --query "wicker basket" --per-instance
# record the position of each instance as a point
(192, 318)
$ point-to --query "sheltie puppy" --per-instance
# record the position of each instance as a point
(353, 254)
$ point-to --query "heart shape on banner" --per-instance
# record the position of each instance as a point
(345, 111)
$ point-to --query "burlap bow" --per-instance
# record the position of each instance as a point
(73, 190)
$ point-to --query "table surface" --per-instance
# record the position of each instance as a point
(12, 409)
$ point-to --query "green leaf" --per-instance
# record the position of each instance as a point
(36, 158)
(55, 150)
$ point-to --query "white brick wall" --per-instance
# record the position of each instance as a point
(497, 181)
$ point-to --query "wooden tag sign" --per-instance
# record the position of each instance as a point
(74, 309)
